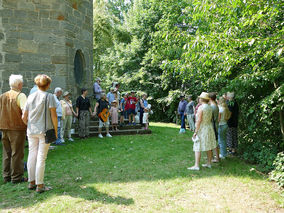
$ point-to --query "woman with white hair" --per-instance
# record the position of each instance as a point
(232, 133)
(204, 136)
(14, 130)
(40, 115)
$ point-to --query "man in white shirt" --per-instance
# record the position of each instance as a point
(57, 95)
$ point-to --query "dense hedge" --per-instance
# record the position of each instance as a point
(166, 48)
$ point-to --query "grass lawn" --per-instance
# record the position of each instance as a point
(142, 174)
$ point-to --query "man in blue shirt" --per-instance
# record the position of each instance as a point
(111, 96)
(97, 89)
(57, 94)
(181, 112)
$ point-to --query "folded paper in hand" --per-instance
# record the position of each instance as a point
(195, 139)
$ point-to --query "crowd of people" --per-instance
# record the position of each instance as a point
(120, 107)
(214, 123)
(211, 120)
(35, 115)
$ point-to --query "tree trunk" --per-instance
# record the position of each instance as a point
(281, 123)
(281, 117)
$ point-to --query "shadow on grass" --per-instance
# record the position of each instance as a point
(91, 194)
(163, 155)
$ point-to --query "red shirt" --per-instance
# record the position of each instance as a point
(126, 106)
(132, 102)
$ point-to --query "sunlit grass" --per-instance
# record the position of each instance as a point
(142, 174)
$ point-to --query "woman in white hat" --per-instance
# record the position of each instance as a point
(204, 136)
(67, 115)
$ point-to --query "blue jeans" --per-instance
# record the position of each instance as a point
(182, 117)
(222, 136)
(58, 130)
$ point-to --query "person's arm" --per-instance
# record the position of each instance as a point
(186, 109)
(77, 106)
(219, 117)
(63, 109)
(95, 109)
(54, 119)
(142, 104)
(21, 101)
(77, 111)
(199, 120)
(25, 117)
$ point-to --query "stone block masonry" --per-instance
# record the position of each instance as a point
(45, 36)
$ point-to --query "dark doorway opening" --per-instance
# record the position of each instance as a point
(79, 68)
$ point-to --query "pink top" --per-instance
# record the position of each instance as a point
(114, 115)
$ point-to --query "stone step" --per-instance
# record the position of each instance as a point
(121, 132)
(94, 123)
(95, 128)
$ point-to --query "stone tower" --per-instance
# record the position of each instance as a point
(53, 37)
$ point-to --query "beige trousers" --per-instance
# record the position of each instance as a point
(66, 126)
(38, 150)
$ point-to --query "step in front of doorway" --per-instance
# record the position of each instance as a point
(120, 132)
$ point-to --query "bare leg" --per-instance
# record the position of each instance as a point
(197, 159)
(146, 126)
(129, 119)
(100, 130)
(209, 157)
(217, 154)
(107, 130)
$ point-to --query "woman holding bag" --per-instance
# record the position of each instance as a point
(40, 116)
(204, 136)
(67, 115)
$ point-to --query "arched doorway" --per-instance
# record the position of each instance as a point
(79, 68)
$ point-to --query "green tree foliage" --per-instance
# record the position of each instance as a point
(169, 47)
(236, 46)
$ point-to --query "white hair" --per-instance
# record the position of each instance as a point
(15, 80)
(230, 95)
(57, 89)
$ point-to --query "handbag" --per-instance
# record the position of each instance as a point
(49, 135)
(195, 139)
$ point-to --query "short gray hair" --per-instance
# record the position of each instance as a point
(15, 80)
(57, 89)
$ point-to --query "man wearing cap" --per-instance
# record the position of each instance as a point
(97, 89)
(181, 112)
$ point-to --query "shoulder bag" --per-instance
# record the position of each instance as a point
(50, 135)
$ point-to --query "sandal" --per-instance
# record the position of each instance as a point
(206, 165)
(215, 161)
(31, 186)
(43, 189)
(193, 168)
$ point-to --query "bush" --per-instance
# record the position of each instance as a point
(259, 153)
(278, 173)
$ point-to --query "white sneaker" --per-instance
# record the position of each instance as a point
(71, 139)
(62, 140)
(194, 168)
(101, 136)
(206, 165)
(109, 136)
